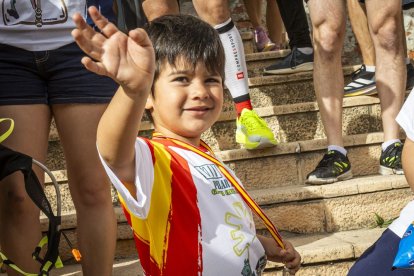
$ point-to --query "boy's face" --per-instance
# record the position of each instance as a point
(185, 101)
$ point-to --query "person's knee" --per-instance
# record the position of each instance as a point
(15, 199)
(157, 8)
(213, 11)
(387, 33)
(328, 40)
(90, 191)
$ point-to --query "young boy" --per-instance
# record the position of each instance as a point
(186, 216)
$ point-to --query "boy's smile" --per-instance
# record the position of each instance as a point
(186, 101)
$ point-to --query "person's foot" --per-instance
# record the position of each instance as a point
(263, 43)
(363, 83)
(410, 77)
(390, 160)
(252, 131)
(333, 167)
(295, 62)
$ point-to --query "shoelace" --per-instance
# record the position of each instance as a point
(253, 122)
(326, 160)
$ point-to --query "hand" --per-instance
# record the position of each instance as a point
(288, 256)
(129, 60)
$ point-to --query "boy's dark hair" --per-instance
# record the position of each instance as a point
(187, 37)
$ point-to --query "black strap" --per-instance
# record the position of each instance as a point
(13, 161)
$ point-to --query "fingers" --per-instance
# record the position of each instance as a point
(140, 37)
(88, 39)
(106, 27)
(93, 66)
(291, 258)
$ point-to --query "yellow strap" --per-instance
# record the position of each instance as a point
(243, 193)
(9, 131)
(42, 242)
(59, 263)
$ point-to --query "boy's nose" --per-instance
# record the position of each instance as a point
(200, 91)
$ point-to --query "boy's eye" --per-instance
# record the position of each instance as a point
(181, 79)
(213, 80)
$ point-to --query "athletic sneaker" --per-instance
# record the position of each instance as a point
(295, 62)
(363, 83)
(333, 167)
(410, 77)
(252, 131)
(263, 42)
(390, 161)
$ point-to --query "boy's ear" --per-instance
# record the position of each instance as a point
(149, 104)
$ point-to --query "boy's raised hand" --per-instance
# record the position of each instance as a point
(129, 60)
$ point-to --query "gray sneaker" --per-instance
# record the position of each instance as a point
(295, 62)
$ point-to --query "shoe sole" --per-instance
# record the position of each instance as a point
(267, 48)
(300, 68)
(389, 171)
(321, 181)
(264, 143)
(372, 90)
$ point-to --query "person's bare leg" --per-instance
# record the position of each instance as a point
(213, 12)
(89, 186)
(274, 23)
(253, 10)
(157, 8)
(359, 22)
(408, 162)
(328, 20)
(19, 217)
(385, 24)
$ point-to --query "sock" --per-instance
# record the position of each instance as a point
(306, 50)
(386, 144)
(370, 68)
(338, 148)
(241, 103)
(235, 67)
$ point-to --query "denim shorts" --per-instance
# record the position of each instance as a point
(50, 77)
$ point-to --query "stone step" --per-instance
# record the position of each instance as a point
(340, 206)
(256, 62)
(248, 42)
(283, 166)
(322, 254)
(289, 123)
(329, 254)
(289, 163)
(299, 122)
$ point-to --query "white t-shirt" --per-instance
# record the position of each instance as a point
(406, 120)
(42, 25)
(38, 25)
(179, 190)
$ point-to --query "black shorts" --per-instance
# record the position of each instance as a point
(50, 77)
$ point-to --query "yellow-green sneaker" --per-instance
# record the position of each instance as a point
(252, 131)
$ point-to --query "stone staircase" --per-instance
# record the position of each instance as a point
(330, 225)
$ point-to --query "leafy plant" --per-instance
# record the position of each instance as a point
(381, 222)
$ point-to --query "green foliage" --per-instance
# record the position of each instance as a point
(381, 222)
